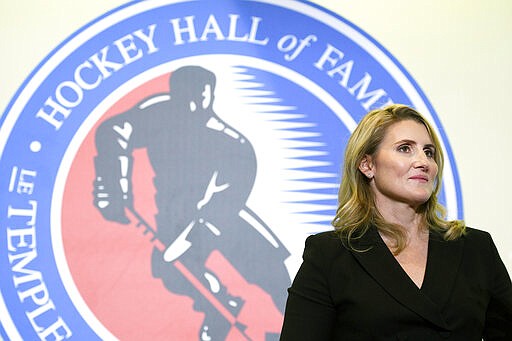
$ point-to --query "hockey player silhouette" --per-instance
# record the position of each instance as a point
(204, 173)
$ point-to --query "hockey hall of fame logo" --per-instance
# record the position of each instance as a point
(162, 168)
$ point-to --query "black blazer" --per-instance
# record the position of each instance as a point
(340, 294)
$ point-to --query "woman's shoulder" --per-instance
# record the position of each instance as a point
(474, 235)
(324, 239)
(480, 242)
(326, 244)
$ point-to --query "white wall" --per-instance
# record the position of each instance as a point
(458, 51)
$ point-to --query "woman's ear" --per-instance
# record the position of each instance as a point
(366, 166)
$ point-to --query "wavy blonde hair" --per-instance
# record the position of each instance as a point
(357, 210)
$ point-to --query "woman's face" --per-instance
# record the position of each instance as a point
(403, 169)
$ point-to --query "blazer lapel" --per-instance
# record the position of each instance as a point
(380, 263)
(444, 259)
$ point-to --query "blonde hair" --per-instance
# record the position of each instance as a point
(357, 211)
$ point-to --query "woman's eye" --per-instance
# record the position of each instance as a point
(404, 148)
(429, 153)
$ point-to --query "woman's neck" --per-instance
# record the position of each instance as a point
(412, 221)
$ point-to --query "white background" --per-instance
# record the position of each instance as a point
(458, 51)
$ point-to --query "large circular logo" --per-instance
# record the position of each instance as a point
(163, 166)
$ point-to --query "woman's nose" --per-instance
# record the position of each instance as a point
(421, 160)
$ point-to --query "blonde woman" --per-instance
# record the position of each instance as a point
(394, 268)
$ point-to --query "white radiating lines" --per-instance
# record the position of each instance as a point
(288, 151)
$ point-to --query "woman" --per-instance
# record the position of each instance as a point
(394, 269)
